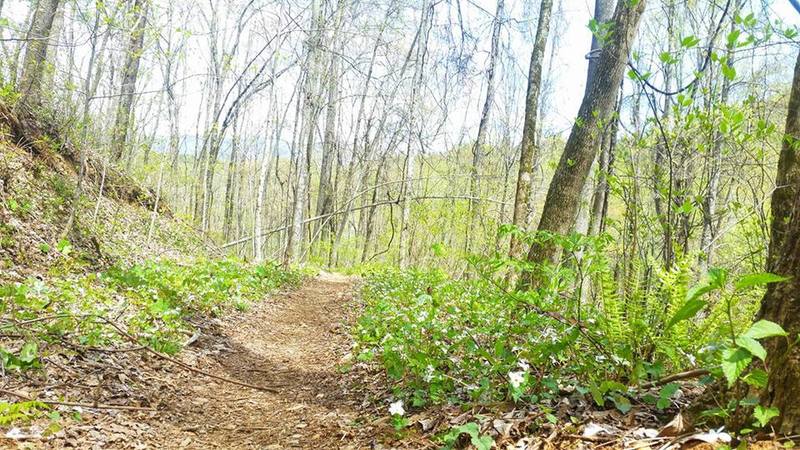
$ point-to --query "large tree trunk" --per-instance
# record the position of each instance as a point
(477, 148)
(781, 303)
(564, 195)
(527, 155)
(787, 181)
(35, 62)
(130, 72)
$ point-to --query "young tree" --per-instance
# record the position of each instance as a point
(527, 155)
(477, 148)
(564, 195)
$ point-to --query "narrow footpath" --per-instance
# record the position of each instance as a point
(296, 343)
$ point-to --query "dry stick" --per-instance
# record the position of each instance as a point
(694, 373)
(133, 339)
(82, 405)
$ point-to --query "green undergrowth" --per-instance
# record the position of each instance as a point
(155, 303)
(581, 331)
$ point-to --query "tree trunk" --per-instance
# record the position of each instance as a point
(605, 166)
(410, 160)
(48, 75)
(35, 62)
(230, 184)
(781, 303)
(477, 148)
(325, 192)
(130, 72)
(311, 108)
(564, 195)
(527, 155)
(787, 181)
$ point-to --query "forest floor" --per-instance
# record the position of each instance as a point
(294, 344)
(294, 350)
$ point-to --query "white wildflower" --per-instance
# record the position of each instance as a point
(429, 371)
(523, 364)
(396, 408)
(713, 436)
(516, 378)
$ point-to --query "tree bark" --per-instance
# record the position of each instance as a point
(524, 190)
(781, 303)
(130, 73)
(325, 192)
(564, 195)
(294, 246)
(410, 160)
(35, 62)
(477, 148)
(787, 181)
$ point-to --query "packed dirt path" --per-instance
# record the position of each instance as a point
(295, 342)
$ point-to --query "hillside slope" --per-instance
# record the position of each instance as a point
(38, 180)
(94, 316)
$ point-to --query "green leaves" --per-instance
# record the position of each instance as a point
(728, 71)
(752, 346)
(666, 394)
(689, 309)
(690, 41)
(27, 358)
(64, 247)
(734, 362)
(481, 442)
(736, 359)
(715, 279)
(758, 279)
(764, 329)
(763, 414)
(756, 378)
(29, 352)
(622, 403)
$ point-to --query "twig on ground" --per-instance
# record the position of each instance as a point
(81, 405)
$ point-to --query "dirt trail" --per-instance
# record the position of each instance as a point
(295, 342)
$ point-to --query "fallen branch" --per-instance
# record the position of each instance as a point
(694, 373)
(81, 405)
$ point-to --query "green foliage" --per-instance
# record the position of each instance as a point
(481, 340)
(471, 429)
(153, 300)
(20, 411)
(763, 415)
